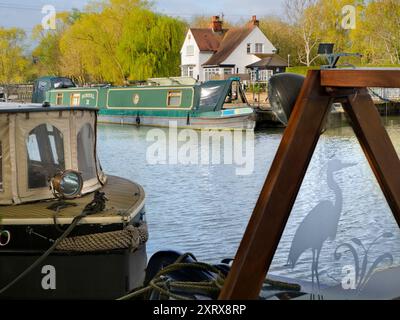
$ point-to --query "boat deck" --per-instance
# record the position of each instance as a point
(126, 200)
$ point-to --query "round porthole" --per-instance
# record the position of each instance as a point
(136, 99)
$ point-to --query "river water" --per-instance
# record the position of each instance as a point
(204, 208)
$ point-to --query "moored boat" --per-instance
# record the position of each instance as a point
(219, 104)
(67, 229)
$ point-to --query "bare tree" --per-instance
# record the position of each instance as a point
(299, 15)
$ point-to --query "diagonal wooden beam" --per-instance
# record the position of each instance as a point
(377, 146)
(279, 193)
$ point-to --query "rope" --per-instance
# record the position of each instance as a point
(46, 254)
(131, 237)
(162, 284)
(91, 208)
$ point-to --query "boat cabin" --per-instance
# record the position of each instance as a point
(212, 104)
(37, 142)
(58, 209)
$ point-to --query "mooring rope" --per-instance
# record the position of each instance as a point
(131, 237)
(163, 285)
(47, 253)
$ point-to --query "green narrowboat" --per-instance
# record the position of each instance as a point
(218, 104)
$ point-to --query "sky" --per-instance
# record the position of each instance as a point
(25, 14)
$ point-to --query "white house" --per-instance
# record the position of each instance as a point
(210, 53)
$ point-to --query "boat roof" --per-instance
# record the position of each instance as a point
(12, 107)
(163, 85)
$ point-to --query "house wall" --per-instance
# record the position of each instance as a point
(190, 59)
(240, 58)
(204, 56)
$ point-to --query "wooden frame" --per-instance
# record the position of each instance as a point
(321, 88)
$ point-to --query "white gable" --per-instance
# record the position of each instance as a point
(240, 58)
(191, 57)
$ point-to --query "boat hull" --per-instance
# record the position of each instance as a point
(105, 275)
(103, 257)
(239, 122)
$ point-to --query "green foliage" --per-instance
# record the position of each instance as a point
(301, 69)
(113, 41)
(13, 63)
(117, 41)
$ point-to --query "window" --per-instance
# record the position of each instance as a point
(174, 98)
(75, 99)
(1, 167)
(212, 73)
(249, 48)
(188, 71)
(45, 149)
(191, 72)
(228, 71)
(190, 50)
(59, 99)
(86, 158)
(259, 48)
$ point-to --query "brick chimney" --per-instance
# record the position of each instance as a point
(216, 24)
(254, 21)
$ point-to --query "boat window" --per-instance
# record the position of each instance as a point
(45, 148)
(1, 167)
(210, 94)
(86, 157)
(75, 99)
(59, 99)
(174, 98)
(59, 83)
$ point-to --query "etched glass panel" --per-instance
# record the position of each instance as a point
(341, 240)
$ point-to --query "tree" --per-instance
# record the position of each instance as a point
(300, 15)
(47, 53)
(377, 35)
(120, 40)
(281, 34)
(13, 63)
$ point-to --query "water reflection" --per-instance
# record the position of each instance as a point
(204, 209)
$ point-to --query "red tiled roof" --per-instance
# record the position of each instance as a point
(232, 39)
(206, 39)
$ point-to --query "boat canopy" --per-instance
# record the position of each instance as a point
(36, 142)
(218, 94)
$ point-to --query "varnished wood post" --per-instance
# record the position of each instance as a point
(377, 146)
(279, 193)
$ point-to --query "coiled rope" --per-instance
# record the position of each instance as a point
(164, 285)
(131, 237)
